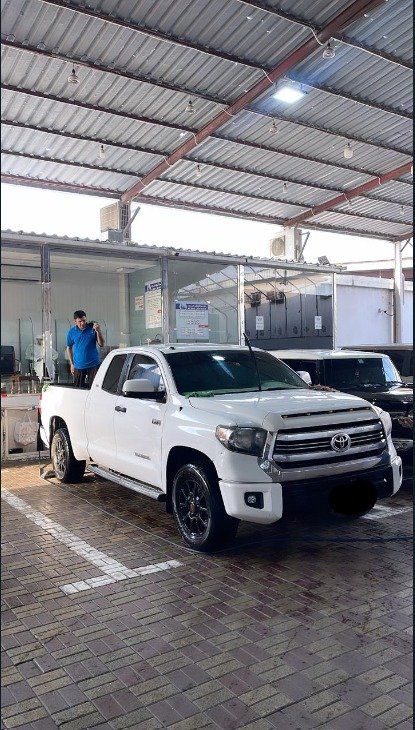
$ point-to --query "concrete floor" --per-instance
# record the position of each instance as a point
(298, 625)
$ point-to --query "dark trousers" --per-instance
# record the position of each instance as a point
(84, 378)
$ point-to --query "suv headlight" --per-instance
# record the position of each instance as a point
(244, 439)
(386, 422)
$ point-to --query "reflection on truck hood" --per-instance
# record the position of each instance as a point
(266, 408)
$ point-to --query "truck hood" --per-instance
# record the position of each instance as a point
(266, 409)
(397, 400)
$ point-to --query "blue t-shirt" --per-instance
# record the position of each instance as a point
(84, 347)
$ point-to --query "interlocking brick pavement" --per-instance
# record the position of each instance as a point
(298, 625)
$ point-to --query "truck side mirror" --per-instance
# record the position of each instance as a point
(304, 375)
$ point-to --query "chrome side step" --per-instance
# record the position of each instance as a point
(129, 483)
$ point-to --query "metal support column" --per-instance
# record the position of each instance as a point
(334, 310)
(165, 305)
(46, 311)
(124, 310)
(397, 294)
(241, 303)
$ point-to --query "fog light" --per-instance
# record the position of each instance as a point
(254, 499)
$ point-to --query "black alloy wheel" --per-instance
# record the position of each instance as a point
(198, 508)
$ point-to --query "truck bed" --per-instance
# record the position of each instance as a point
(55, 403)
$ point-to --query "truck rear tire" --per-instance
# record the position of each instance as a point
(67, 469)
(198, 508)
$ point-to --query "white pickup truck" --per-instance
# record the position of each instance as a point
(220, 434)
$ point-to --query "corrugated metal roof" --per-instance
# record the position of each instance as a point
(132, 68)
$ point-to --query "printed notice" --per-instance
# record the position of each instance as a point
(259, 323)
(318, 323)
(192, 320)
(139, 304)
(152, 304)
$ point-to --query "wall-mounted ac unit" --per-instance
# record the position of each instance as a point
(255, 298)
(114, 219)
(277, 247)
(276, 297)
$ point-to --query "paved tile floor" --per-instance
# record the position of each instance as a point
(298, 625)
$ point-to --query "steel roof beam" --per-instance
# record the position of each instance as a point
(340, 37)
(93, 65)
(173, 40)
(342, 20)
(170, 203)
(197, 186)
(353, 193)
(242, 171)
(160, 123)
(349, 97)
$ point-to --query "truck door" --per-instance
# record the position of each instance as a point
(138, 426)
(99, 416)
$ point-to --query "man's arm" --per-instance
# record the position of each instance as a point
(100, 337)
(70, 358)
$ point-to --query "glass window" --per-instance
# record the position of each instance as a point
(212, 372)
(308, 365)
(361, 372)
(113, 374)
(203, 302)
(145, 368)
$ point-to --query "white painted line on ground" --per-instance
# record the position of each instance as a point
(112, 570)
(380, 512)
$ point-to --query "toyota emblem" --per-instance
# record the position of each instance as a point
(340, 442)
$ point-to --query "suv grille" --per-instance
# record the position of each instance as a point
(311, 446)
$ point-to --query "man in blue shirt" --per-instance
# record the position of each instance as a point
(83, 356)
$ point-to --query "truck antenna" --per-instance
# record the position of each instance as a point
(254, 359)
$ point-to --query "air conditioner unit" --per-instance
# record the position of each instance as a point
(114, 218)
(277, 247)
(255, 298)
(276, 297)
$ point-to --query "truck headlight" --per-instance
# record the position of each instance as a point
(386, 422)
(244, 439)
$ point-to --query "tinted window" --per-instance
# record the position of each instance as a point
(399, 359)
(213, 372)
(360, 372)
(145, 368)
(308, 365)
(112, 376)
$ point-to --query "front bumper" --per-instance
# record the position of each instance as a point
(297, 497)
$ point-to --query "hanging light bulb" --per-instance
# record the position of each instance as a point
(273, 128)
(190, 108)
(329, 51)
(73, 77)
(284, 188)
(102, 152)
(198, 170)
(402, 210)
(348, 151)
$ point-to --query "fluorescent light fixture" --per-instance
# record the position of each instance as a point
(288, 94)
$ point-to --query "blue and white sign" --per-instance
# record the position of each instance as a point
(192, 320)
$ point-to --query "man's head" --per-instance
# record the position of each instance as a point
(80, 318)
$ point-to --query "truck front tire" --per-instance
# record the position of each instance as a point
(67, 469)
(198, 508)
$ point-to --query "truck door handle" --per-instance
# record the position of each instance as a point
(120, 409)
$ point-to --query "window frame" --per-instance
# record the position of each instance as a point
(125, 374)
(117, 391)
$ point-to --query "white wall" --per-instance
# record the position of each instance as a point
(359, 321)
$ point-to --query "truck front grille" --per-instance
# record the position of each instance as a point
(300, 448)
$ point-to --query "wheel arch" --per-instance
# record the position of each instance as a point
(178, 456)
(55, 423)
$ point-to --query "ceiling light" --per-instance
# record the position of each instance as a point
(102, 152)
(273, 128)
(348, 151)
(329, 51)
(289, 94)
(190, 108)
(73, 77)
(182, 134)
(402, 210)
(284, 188)
(198, 171)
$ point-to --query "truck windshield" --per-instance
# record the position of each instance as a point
(361, 372)
(213, 372)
